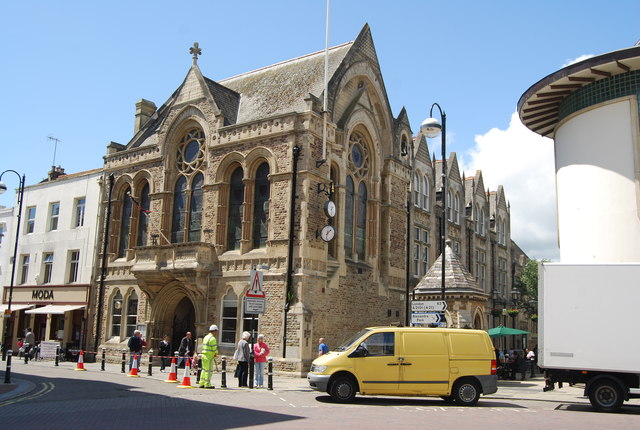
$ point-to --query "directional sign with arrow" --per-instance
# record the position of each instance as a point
(429, 306)
(425, 318)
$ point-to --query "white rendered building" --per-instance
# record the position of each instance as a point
(55, 258)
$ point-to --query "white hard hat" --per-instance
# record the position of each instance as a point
(213, 327)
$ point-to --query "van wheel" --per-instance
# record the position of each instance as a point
(606, 395)
(466, 392)
(343, 390)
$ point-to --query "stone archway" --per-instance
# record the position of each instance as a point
(183, 320)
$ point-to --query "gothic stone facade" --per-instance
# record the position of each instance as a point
(203, 192)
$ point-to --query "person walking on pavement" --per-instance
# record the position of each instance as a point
(531, 359)
(242, 354)
(135, 345)
(187, 348)
(164, 350)
(260, 352)
(209, 352)
(322, 347)
(29, 342)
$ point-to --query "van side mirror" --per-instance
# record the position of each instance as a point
(360, 351)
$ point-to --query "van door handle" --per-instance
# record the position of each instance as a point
(405, 364)
(392, 364)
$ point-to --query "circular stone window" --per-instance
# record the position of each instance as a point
(190, 154)
(358, 155)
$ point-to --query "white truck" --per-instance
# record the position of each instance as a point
(589, 317)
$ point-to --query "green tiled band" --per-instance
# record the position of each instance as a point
(622, 85)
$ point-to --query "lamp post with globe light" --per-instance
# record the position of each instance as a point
(431, 128)
(7, 313)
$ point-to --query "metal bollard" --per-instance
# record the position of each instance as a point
(124, 360)
(104, 359)
(7, 372)
(270, 374)
(57, 355)
(199, 372)
(150, 371)
(223, 382)
(251, 368)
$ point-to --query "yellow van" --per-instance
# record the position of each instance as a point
(457, 365)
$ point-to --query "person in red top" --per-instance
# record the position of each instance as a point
(260, 352)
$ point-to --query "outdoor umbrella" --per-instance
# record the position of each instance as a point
(505, 331)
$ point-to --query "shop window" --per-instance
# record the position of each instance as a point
(262, 193)
(132, 313)
(236, 200)
(116, 314)
(125, 223)
(229, 318)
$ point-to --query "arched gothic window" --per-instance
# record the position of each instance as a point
(449, 205)
(356, 203)
(195, 208)
(125, 223)
(229, 318)
(132, 313)
(456, 208)
(143, 218)
(236, 201)
(116, 314)
(261, 196)
(179, 210)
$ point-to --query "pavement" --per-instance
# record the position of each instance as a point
(529, 389)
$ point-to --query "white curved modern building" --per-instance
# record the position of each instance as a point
(591, 109)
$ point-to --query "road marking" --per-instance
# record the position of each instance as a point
(46, 388)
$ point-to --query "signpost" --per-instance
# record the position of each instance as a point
(425, 318)
(429, 306)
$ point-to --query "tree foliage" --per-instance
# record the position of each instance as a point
(527, 285)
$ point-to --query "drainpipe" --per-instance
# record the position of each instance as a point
(292, 217)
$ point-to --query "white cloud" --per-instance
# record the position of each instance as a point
(577, 60)
(523, 163)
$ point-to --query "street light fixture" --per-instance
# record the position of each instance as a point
(431, 128)
(7, 314)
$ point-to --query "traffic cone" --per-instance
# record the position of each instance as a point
(80, 365)
(186, 379)
(133, 373)
(173, 373)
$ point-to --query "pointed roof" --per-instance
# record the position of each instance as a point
(457, 277)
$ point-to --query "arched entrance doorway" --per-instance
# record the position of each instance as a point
(184, 318)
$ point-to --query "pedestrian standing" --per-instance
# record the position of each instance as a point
(164, 350)
(29, 342)
(531, 359)
(209, 352)
(135, 348)
(260, 352)
(242, 354)
(187, 348)
(322, 347)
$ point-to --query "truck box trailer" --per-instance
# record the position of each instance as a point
(589, 315)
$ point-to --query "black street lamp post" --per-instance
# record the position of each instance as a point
(7, 315)
(431, 127)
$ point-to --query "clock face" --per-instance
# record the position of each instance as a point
(328, 233)
(330, 209)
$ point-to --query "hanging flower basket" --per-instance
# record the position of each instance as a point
(534, 317)
(496, 312)
(513, 312)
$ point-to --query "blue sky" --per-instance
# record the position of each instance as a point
(74, 70)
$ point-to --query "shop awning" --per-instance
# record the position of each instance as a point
(14, 307)
(54, 309)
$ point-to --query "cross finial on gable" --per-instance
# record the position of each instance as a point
(195, 51)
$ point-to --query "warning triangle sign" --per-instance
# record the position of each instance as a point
(255, 286)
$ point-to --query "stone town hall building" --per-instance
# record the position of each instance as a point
(211, 174)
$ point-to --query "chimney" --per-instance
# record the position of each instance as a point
(55, 173)
(144, 110)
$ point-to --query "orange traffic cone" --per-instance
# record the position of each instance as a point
(186, 379)
(173, 372)
(80, 365)
(133, 373)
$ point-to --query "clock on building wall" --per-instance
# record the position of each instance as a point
(327, 233)
(330, 209)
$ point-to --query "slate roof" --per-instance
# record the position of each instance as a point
(283, 87)
(457, 277)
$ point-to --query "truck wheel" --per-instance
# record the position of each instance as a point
(466, 392)
(343, 390)
(606, 395)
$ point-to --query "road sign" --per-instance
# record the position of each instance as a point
(255, 286)
(254, 305)
(425, 317)
(429, 306)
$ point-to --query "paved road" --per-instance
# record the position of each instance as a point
(61, 398)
